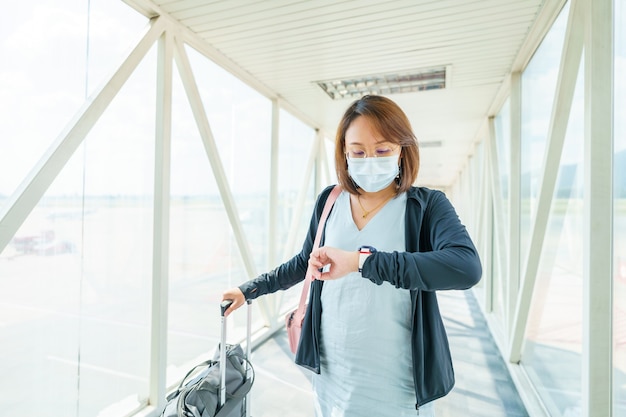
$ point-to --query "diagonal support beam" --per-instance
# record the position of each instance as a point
(30, 191)
(199, 113)
(568, 73)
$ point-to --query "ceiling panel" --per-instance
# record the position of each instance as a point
(287, 45)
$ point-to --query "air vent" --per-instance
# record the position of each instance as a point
(382, 84)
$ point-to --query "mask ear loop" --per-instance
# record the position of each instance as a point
(399, 176)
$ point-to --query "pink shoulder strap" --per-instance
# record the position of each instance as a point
(318, 237)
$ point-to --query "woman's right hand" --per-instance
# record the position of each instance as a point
(236, 296)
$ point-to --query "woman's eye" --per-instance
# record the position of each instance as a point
(383, 151)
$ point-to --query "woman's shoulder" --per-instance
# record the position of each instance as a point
(425, 194)
(323, 195)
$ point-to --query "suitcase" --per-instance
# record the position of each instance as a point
(222, 385)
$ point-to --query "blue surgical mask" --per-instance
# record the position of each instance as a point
(373, 174)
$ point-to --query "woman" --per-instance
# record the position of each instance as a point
(380, 347)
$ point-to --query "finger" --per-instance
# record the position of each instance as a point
(325, 276)
(316, 260)
(315, 264)
(320, 259)
(234, 306)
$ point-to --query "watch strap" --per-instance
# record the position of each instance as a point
(364, 253)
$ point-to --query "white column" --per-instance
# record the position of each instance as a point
(160, 251)
(487, 214)
(273, 206)
(598, 210)
(272, 301)
(511, 286)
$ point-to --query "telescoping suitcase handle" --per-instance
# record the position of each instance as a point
(223, 307)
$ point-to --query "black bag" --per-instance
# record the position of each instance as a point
(200, 397)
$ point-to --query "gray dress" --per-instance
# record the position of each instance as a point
(365, 352)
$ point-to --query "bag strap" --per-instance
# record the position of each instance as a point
(330, 201)
(191, 371)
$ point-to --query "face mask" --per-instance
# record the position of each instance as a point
(373, 174)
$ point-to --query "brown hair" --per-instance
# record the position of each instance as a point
(388, 119)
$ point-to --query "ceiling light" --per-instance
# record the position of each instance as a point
(394, 83)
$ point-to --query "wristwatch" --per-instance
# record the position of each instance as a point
(364, 252)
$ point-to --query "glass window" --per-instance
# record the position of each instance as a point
(538, 87)
(47, 72)
(204, 256)
(117, 248)
(241, 123)
(296, 143)
(35, 105)
(619, 230)
(75, 278)
(553, 341)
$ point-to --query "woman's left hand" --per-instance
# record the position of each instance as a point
(341, 262)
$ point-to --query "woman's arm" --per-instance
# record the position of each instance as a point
(449, 262)
(286, 275)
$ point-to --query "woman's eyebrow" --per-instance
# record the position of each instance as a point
(382, 142)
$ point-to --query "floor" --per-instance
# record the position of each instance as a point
(483, 385)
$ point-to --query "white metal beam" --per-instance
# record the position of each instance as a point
(202, 121)
(273, 208)
(193, 40)
(545, 18)
(212, 152)
(541, 25)
(30, 191)
(327, 167)
(498, 209)
(568, 72)
(320, 162)
(479, 195)
(515, 203)
(271, 302)
(486, 230)
(597, 389)
(160, 251)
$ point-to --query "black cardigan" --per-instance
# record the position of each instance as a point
(439, 255)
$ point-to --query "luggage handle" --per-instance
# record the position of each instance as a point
(224, 305)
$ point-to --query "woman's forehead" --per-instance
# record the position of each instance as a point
(362, 132)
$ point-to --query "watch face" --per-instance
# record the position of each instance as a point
(364, 252)
(367, 249)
